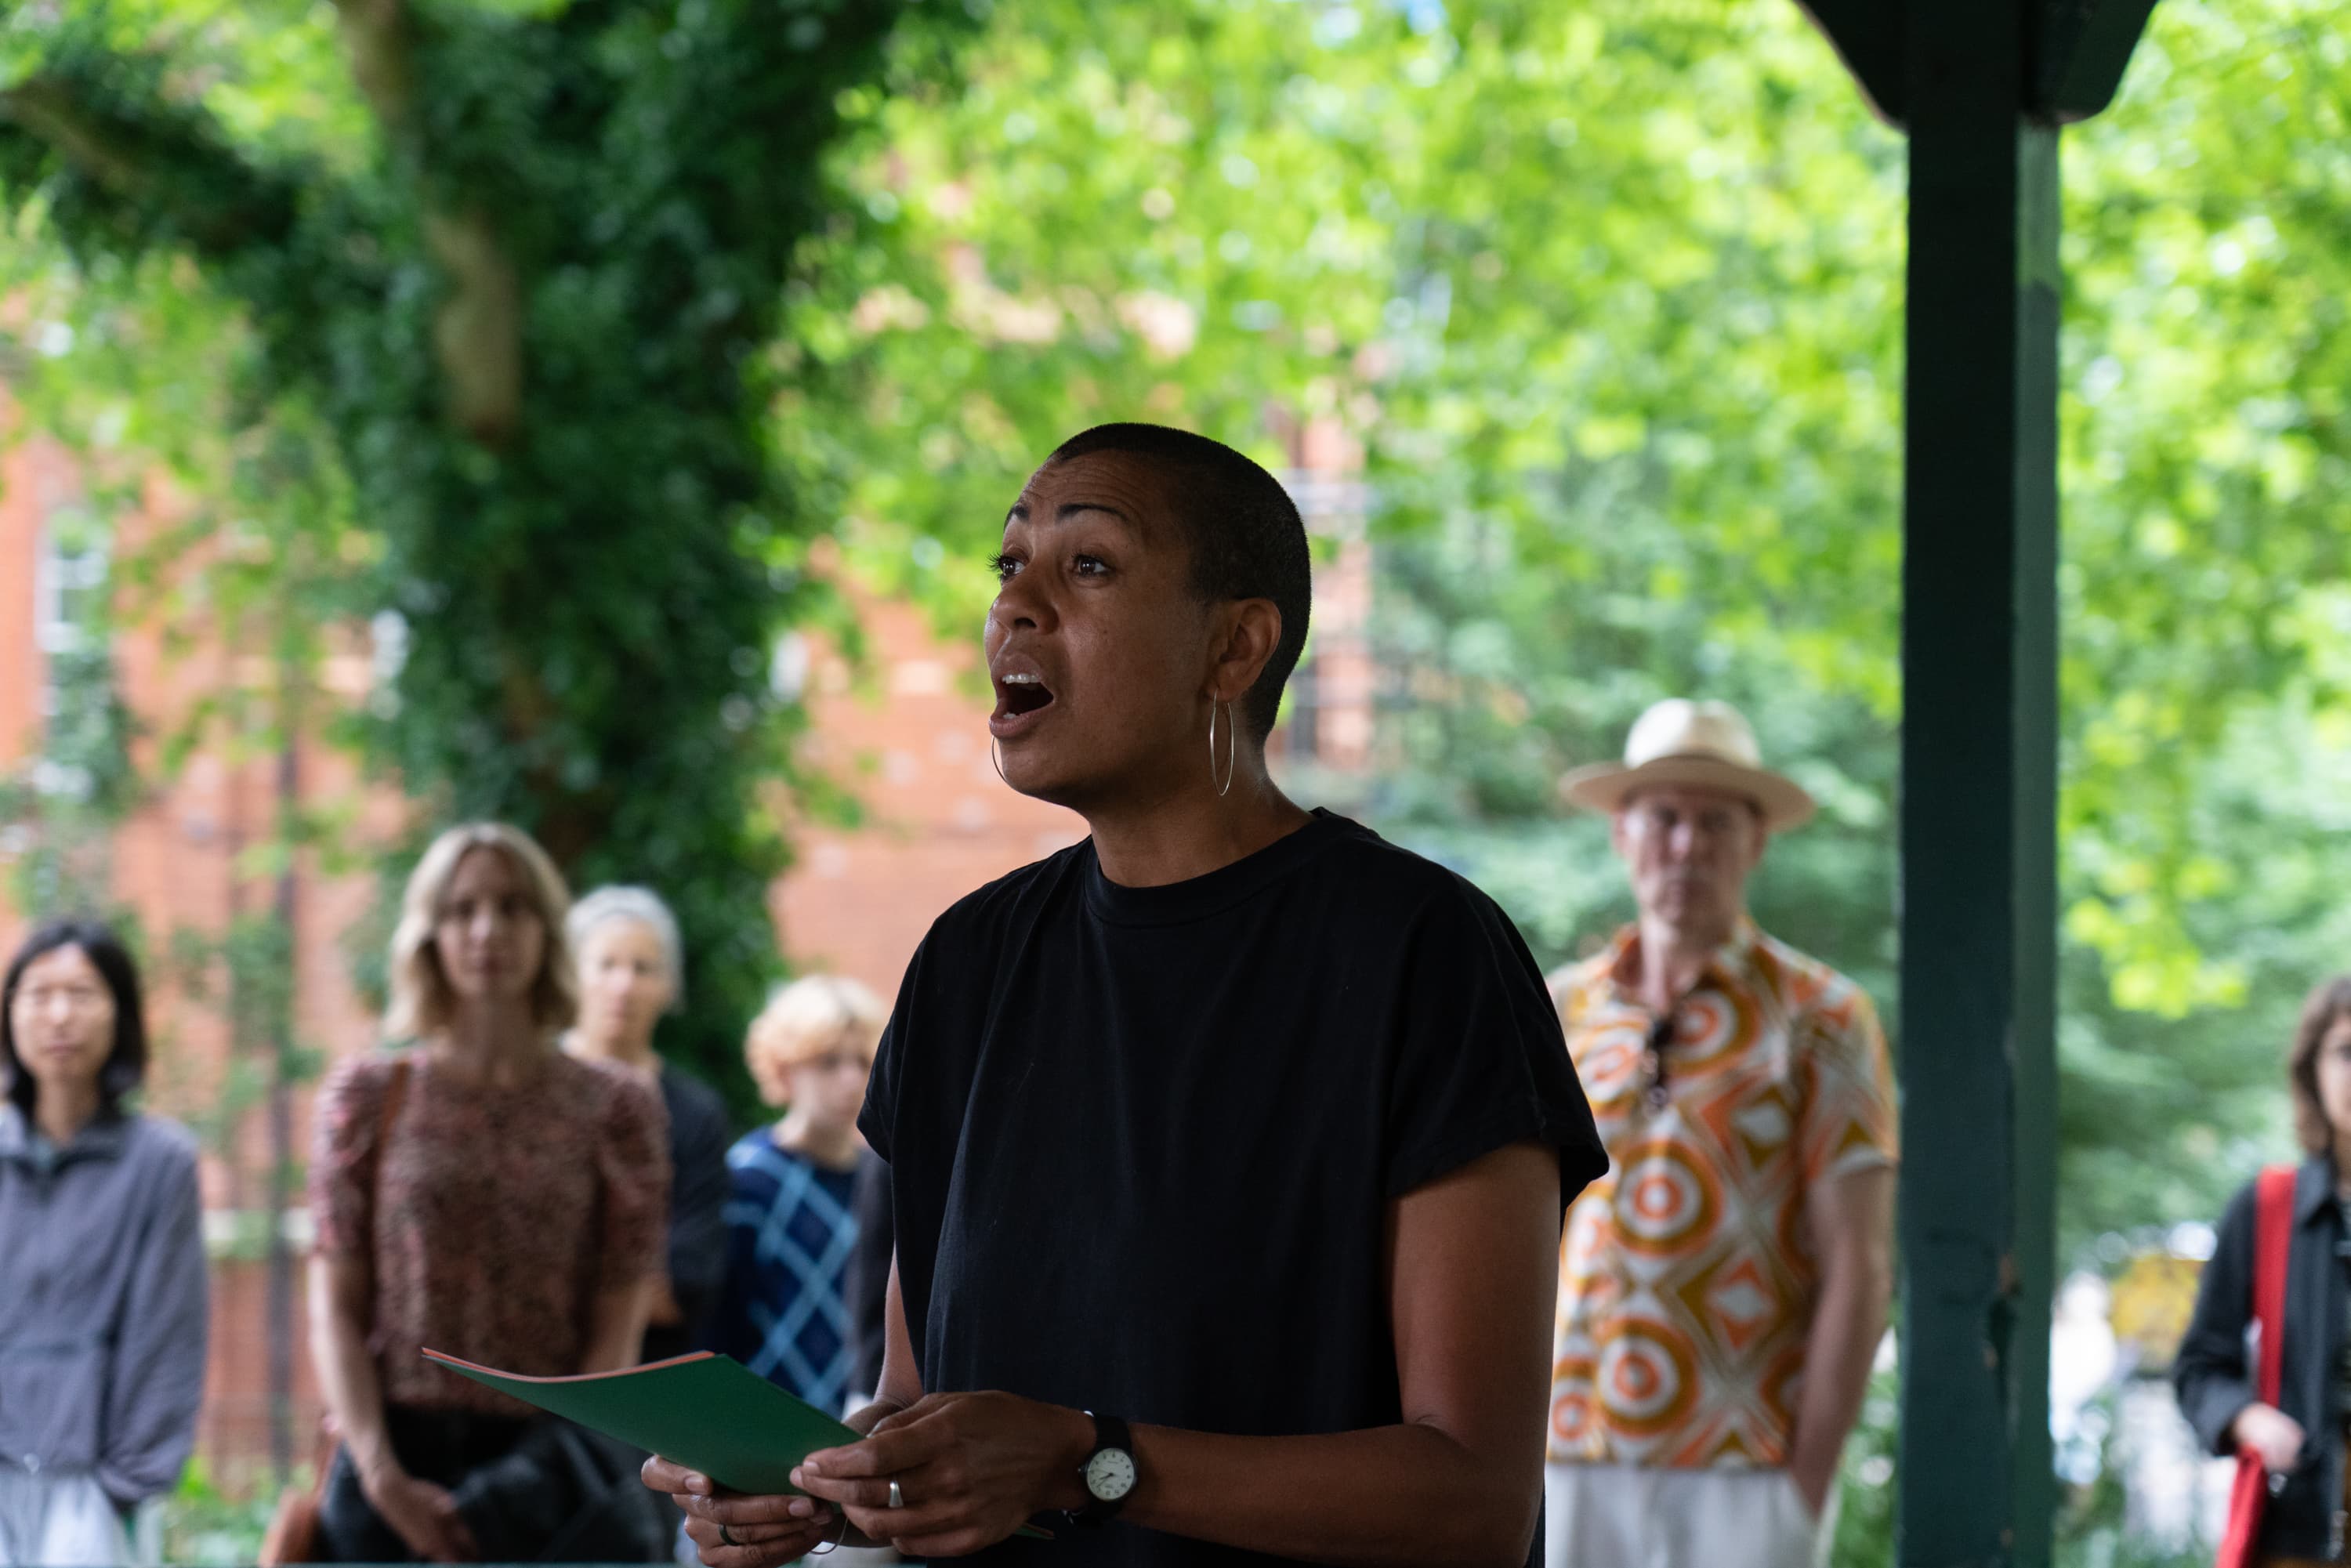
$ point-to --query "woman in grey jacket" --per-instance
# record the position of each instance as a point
(102, 1290)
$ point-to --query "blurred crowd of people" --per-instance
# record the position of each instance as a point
(521, 1182)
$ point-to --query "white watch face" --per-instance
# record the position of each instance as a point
(1110, 1474)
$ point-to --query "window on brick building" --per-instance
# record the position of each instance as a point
(69, 626)
(70, 580)
(1330, 717)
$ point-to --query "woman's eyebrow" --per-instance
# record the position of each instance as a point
(1068, 509)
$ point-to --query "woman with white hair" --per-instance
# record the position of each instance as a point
(630, 966)
(482, 1193)
(791, 1224)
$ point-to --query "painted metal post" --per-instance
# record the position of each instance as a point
(1979, 768)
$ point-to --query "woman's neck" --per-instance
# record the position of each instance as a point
(831, 1146)
(62, 1111)
(1193, 830)
(636, 1055)
(492, 1041)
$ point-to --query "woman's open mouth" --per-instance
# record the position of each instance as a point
(1020, 697)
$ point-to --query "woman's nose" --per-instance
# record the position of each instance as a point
(1021, 603)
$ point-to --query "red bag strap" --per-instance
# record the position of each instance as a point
(2273, 1238)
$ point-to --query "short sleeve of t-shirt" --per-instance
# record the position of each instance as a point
(1845, 1118)
(877, 1120)
(343, 1158)
(1479, 1061)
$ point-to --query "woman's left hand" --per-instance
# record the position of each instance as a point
(971, 1469)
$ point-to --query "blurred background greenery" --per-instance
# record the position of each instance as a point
(552, 347)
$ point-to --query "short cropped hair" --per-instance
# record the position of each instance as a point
(2327, 1002)
(810, 1017)
(1248, 540)
(126, 1062)
(421, 999)
(644, 906)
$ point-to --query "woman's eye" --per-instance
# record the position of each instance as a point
(1005, 567)
(1088, 566)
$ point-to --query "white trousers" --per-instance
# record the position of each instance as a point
(1636, 1516)
(59, 1521)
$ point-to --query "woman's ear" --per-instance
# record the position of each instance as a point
(1250, 633)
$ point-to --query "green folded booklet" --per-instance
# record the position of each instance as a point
(709, 1413)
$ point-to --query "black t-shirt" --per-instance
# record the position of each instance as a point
(1142, 1140)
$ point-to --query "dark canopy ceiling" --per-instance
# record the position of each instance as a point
(2077, 47)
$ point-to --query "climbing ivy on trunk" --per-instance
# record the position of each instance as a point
(525, 264)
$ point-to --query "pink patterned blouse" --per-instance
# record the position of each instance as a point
(494, 1218)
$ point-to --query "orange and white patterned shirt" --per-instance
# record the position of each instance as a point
(1687, 1277)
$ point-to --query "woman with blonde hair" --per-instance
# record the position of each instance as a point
(791, 1224)
(482, 1193)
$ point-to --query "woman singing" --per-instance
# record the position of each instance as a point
(1230, 1145)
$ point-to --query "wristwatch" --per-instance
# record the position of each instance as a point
(1109, 1473)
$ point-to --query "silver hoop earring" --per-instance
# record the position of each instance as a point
(992, 756)
(1232, 743)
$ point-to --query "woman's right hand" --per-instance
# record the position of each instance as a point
(2270, 1432)
(424, 1515)
(732, 1530)
(760, 1532)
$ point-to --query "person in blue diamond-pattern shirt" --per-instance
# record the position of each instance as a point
(791, 1225)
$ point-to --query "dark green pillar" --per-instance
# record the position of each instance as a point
(1978, 801)
(1980, 86)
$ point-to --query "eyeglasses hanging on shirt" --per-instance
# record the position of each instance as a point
(1655, 1096)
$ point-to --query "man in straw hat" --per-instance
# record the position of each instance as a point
(1723, 1289)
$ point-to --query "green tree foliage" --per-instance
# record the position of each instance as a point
(522, 265)
(2208, 455)
(1611, 296)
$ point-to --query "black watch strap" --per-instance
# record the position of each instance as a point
(1110, 1432)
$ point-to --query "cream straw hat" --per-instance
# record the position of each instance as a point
(1701, 745)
